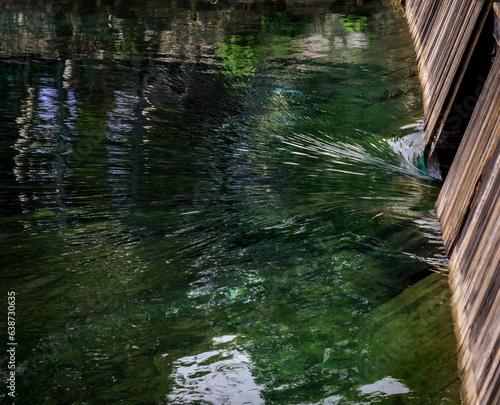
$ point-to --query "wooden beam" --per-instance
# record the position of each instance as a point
(445, 34)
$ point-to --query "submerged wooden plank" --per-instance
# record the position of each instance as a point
(444, 34)
(474, 154)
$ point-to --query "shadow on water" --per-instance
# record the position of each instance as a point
(219, 203)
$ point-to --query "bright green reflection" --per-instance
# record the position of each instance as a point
(213, 204)
(354, 22)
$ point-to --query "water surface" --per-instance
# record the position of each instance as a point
(214, 203)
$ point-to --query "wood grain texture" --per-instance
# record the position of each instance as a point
(475, 282)
(445, 33)
(468, 206)
(480, 141)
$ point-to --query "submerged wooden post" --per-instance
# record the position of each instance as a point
(445, 34)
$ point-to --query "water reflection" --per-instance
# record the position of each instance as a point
(217, 377)
(385, 386)
(221, 203)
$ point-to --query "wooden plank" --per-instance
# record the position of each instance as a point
(475, 282)
(472, 158)
(469, 211)
(444, 34)
(496, 24)
(455, 83)
(468, 207)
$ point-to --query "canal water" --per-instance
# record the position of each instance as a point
(214, 202)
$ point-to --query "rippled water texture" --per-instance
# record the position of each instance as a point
(219, 203)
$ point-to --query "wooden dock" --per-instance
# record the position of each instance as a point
(446, 36)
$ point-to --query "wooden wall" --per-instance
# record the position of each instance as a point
(469, 211)
(468, 206)
(445, 33)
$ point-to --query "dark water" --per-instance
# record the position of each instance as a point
(218, 203)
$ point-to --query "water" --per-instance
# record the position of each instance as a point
(214, 203)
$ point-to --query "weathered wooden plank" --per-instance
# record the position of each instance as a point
(445, 34)
(468, 207)
(471, 160)
(496, 25)
(475, 281)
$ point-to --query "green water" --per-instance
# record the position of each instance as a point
(218, 203)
